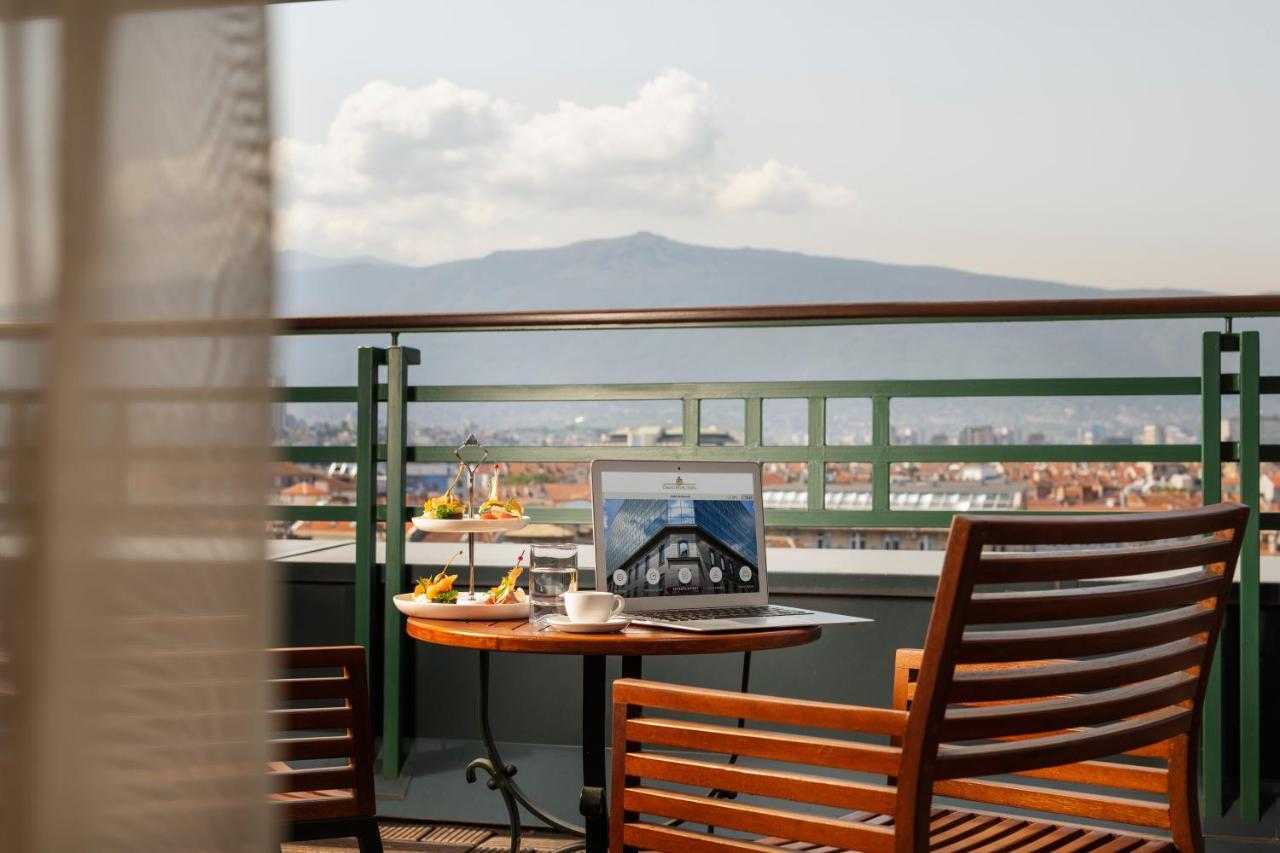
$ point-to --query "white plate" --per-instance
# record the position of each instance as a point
(465, 608)
(468, 525)
(563, 623)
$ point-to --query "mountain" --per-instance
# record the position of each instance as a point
(645, 270)
(640, 271)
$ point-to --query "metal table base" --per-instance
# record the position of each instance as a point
(593, 804)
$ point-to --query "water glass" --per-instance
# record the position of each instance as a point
(553, 571)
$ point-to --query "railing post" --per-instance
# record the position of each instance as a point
(881, 440)
(816, 497)
(1211, 763)
(1249, 598)
(753, 422)
(692, 419)
(393, 639)
(366, 563)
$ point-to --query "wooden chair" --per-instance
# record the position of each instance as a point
(1065, 672)
(324, 801)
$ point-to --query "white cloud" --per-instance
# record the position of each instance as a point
(398, 162)
(779, 187)
(651, 144)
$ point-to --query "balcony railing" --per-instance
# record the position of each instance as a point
(383, 383)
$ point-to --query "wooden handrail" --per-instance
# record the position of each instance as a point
(816, 314)
(830, 314)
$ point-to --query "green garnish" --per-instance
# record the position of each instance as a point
(448, 597)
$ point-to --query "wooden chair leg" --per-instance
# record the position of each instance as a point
(1184, 795)
(368, 837)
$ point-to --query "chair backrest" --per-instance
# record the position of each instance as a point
(322, 716)
(1041, 662)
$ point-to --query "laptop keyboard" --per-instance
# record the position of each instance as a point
(695, 614)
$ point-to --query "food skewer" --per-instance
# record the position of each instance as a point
(497, 508)
(446, 505)
(432, 587)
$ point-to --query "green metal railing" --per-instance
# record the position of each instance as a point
(394, 394)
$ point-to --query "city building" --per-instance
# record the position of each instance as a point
(657, 547)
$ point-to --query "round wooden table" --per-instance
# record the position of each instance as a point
(632, 644)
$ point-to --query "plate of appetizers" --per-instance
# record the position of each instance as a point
(446, 513)
(468, 524)
(436, 598)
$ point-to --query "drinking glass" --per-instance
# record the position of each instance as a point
(553, 571)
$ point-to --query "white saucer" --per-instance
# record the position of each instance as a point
(562, 623)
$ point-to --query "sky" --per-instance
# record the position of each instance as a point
(1116, 144)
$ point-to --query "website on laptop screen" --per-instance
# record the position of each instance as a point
(669, 533)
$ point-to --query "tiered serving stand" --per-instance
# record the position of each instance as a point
(470, 605)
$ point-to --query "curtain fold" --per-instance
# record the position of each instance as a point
(135, 296)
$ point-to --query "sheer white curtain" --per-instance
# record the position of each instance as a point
(135, 287)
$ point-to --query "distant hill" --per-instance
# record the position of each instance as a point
(640, 271)
(645, 270)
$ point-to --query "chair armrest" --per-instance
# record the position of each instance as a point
(906, 662)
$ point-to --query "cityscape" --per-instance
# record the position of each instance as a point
(924, 486)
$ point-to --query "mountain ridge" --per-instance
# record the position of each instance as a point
(596, 273)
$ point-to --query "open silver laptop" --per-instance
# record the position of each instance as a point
(683, 543)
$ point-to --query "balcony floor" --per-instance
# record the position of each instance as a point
(416, 835)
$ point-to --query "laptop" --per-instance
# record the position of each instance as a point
(683, 544)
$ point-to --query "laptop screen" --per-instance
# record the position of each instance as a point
(670, 533)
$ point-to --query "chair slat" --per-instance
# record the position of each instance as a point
(1096, 601)
(1155, 847)
(797, 787)
(1055, 566)
(1023, 682)
(645, 836)
(317, 808)
(1017, 840)
(725, 703)
(1089, 841)
(994, 833)
(1120, 845)
(319, 657)
(312, 778)
(1120, 635)
(779, 746)
(1055, 714)
(308, 748)
(1150, 750)
(304, 719)
(1107, 774)
(969, 826)
(1053, 841)
(843, 835)
(1107, 530)
(325, 687)
(1011, 756)
(1091, 805)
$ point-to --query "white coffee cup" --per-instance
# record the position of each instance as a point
(592, 607)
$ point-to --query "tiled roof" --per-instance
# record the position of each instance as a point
(306, 488)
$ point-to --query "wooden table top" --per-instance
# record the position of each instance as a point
(519, 636)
